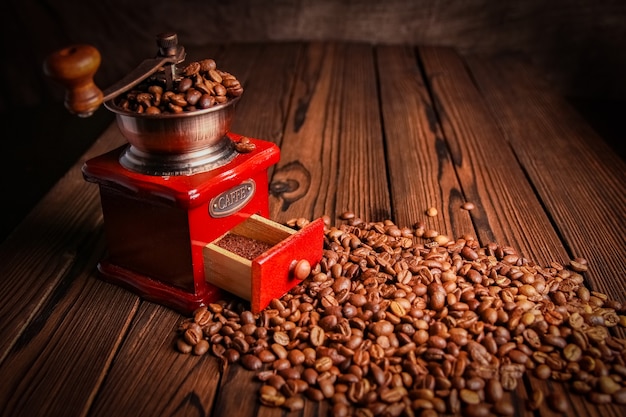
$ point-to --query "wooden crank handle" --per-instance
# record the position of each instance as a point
(74, 67)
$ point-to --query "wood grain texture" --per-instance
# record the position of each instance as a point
(72, 367)
(60, 296)
(580, 181)
(332, 156)
(421, 173)
(95, 316)
(164, 382)
(508, 212)
(49, 242)
(267, 72)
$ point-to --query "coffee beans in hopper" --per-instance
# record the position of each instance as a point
(200, 86)
(390, 324)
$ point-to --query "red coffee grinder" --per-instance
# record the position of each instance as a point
(181, 184)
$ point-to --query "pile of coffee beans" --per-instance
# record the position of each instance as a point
(200, 86)
(395, 325)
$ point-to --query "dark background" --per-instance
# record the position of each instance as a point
(579, 46)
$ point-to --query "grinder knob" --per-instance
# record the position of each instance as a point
(74, 67)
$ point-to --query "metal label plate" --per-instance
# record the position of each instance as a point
(232, 200)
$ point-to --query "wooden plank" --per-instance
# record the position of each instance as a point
(47, 242)
(421, 173)
(36, 257)
(267, 73)
(507, 209)
(51, 300)
(58, 363)
(581, 181)
(149, 377)
(332, 153)
(489, 173)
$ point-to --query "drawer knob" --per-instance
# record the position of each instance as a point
(301, 269)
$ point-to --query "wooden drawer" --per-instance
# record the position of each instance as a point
(270, 274)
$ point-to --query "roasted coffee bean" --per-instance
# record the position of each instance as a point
(619, 396)
(193, 335)
(202, 316)
(607, 385)
(281, 364)
(207, 65)
(201, 347)
(183, 347)
(295, 403)
(504, 408)
(184, 85)
(340, 410)
(599, 397)
(192, 68)
(536, 400)
(314, 394)
(494, 391)
(290, 388)
(476, 410)
(543, 371)
(279, 350)
(231, 355)
(317, 336)
(558, 402)
(251, 362)
(326, 386)
(266, 356)
(295, 357)
(469, 397)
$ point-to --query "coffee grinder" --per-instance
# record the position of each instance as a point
(181, 183)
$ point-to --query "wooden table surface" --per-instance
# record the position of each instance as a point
(383, 131)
